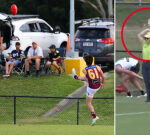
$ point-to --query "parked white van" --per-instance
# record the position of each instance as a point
(28, 28)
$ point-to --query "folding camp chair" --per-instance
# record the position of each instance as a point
(60, 62)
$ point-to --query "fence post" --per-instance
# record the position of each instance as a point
(78, 111)
(14, 109)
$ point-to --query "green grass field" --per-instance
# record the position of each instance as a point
(55, 130)
(132, 114)
(30, 111)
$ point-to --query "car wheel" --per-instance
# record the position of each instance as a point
(26, 51)
(64, 46)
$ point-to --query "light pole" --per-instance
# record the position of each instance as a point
(110, 10)
(72, 18)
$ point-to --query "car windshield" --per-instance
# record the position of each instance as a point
(92, 33)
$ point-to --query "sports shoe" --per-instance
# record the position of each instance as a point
(46, 71)
(129, 96)
(26, 75)
(94, 120)
(6, 76)
(145, 95)
(37, 75)
(59, 72)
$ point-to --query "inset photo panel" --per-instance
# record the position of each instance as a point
(57, 67)
(132, 67)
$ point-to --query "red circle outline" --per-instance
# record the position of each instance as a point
(122, 29)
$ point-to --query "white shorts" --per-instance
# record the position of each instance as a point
(90, 92)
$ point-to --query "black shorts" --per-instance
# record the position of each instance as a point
(33, 61)
(135, 68)
(52, 61)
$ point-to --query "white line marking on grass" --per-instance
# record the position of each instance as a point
(135, 113)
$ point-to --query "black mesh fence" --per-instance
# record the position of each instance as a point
(54, 110)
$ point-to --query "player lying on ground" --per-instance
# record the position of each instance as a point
(93, 76)
(127, 69)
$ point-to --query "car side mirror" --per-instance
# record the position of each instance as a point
(57, 30)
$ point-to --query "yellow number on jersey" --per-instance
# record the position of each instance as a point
(92, 75)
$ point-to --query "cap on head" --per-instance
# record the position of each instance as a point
(147, 35)
(52, 46)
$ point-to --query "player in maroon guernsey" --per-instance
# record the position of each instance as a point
(93, 75)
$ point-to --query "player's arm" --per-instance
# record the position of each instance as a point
(141, 34)
(81, 78)
(101, 73)
(57, 58)
(9, 57)
(130, 73)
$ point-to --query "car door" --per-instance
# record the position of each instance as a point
(35, 34)
(47, 34)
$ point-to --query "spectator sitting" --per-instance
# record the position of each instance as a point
(34, 55)
(14, 59)
(53, 56)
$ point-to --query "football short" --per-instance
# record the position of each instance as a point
(135, 68)
(90, 92)
(16, 62)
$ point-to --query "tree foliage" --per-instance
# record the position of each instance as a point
(55, 12)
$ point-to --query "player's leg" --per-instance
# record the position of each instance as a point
(136, 84)
(27, 67)
(37, 63)
(11, 68)
(15, 63)
(146, 74)
(47, 65)
(125, 82)
(56, 65)
(7, 67)
(89, 98)
(148, 82)
(90, 106)
(27, 64)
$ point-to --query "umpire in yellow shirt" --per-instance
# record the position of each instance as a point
(144, 38)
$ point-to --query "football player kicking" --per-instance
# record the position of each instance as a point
(93, 75)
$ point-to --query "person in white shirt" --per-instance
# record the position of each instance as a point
(34, 55)
(127, 68)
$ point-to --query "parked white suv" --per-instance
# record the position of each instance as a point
(28, 28)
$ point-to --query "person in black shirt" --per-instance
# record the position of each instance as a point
(14, 59)
(53, 57)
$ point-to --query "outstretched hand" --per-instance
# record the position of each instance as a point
(76, 77)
